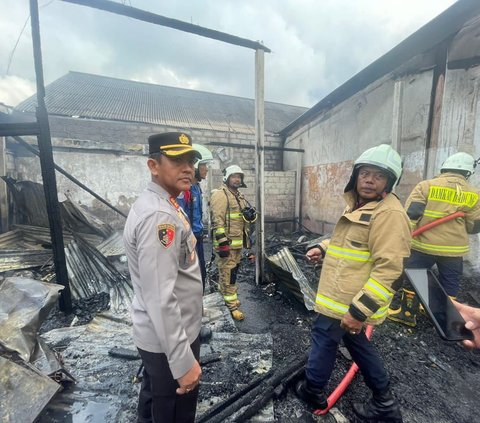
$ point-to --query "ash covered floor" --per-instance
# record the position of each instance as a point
(434, 380)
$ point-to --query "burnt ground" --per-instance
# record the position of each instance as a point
(434, 380)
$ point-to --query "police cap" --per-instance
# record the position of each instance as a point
(171, 144)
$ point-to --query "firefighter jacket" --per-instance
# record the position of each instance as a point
(435, 198)
(192, 205)
(227, 220)
(364, 257)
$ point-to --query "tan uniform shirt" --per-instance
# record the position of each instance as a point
(435, 198)
(363, 259)
(167, 302)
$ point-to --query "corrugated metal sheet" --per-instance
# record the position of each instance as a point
(287, 270)
(97, 97)
(91, 273)
(112, 246)
(23, 259)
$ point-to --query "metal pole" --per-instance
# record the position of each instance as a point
(142, 15)
(48, 169)
(298, 189)
(397, 115)
(260, 162)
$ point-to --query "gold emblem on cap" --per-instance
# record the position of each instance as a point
(183, 139)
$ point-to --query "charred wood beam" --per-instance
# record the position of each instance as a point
(19, 129)
(255, 395)
(142, 15)
(72, 178)
(217, 408)
(47, 167)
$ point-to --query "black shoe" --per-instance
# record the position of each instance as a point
(313, 396)
(205, 334)
(381, 408)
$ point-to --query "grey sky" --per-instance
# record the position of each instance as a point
(316, 44)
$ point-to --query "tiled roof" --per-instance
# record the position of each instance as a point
(97, 97)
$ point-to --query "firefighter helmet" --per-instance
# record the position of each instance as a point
(230, 170)
(459, 162)
(382, 156)
(205, 152)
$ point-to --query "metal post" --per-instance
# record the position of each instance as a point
(260, 162)
(298, 189)
(397, 115)
(3, 187)
(48, 168)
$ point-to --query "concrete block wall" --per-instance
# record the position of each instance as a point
(108, 158)
(110, 133)
(279, 191)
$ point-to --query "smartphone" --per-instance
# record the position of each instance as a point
(447, 320)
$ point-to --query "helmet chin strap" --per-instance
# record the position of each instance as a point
(380, 196)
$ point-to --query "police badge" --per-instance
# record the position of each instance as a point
(166, 234)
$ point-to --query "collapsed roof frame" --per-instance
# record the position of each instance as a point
(41, 128)
(260, 49)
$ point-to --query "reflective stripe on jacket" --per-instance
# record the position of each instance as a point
(435, 198)
(364, 257)
(227, 217)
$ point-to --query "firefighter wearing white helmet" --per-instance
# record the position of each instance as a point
(361, 263)
(445, 244)
(191, 202)
(231, 218)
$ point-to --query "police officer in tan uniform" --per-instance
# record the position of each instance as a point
(231, 218)
(167, 305)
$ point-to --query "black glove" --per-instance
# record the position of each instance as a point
(223, 246)
(224, 249)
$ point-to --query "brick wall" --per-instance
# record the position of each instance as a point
(279, 194)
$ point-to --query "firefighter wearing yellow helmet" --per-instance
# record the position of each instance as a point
(362, 261)
(231, 218)
(446, 244)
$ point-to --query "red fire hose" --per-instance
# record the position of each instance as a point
(343, 385)
(437, 222)
(347, 379)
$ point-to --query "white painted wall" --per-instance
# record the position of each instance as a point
(338, 136)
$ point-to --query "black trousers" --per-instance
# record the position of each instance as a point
(158, 401)
(201, 259)
(450, 269)
(326, 335)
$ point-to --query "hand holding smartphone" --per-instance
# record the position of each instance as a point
(448, 322)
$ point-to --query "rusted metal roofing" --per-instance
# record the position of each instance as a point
(90, 96)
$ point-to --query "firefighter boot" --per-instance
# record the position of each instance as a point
(311, 395)
(381, 408)
(407, 313)
(237, 315)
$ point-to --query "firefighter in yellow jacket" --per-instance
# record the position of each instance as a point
(231, 218)
(362, 261)
(446, 244)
